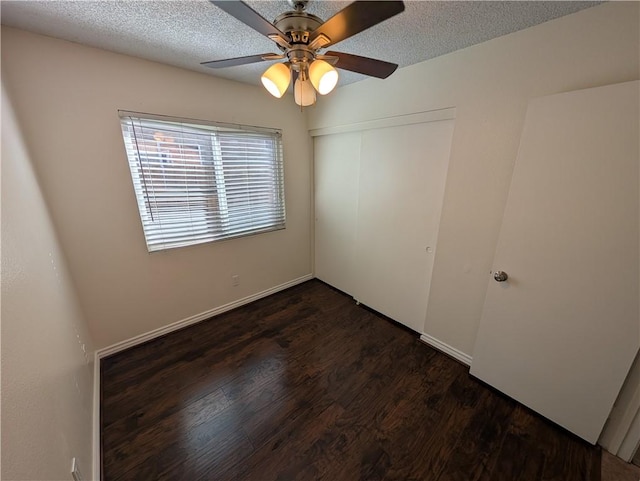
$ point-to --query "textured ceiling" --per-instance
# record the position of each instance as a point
(186, 32)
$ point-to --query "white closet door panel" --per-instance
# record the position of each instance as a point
(337, 161)
(402, 178)
(560, 334)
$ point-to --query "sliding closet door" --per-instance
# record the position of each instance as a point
(401, 186)
(337, 161)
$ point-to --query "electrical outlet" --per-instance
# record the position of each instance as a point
(235, 280)
(75, 470)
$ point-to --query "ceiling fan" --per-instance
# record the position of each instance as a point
(300, 36)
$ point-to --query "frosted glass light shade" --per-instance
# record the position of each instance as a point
(303, 93)
(276, 79)
(323, 76)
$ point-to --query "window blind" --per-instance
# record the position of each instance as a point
(199, 182)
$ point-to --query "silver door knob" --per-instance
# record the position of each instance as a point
(500, 276)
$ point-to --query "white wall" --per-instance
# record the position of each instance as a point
(47, 384)
(66, 97)
(489, 85)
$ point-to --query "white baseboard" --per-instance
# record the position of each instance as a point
(447, 349)
(139, 339)
(96, 419)
(126, 344)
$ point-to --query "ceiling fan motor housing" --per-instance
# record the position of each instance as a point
(298, 25)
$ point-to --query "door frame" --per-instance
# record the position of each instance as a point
(622, 436)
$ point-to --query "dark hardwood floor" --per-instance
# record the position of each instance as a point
(306, 385)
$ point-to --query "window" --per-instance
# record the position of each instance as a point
(198, 181)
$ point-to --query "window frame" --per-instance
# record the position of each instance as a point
(156, 236)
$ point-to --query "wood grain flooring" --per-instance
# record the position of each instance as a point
(306, 385)
(615, 469)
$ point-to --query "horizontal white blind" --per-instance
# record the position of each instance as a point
(203, 182)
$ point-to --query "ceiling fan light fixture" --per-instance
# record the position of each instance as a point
(276, 79)
(303, 93)
(323, 76)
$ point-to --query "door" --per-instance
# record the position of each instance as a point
(560, 334)
(336, 171)
(403, 171)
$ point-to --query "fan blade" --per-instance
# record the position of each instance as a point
(250, 17)
(364, 65)
(232, 62)
(355, 18)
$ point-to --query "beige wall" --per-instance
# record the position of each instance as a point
(66, 96)
(47, 383)
(489, 85)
